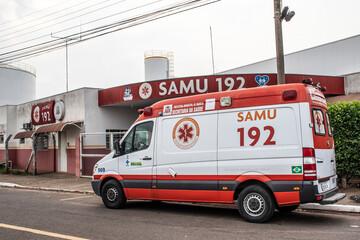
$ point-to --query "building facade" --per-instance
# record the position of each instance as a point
(338, 58)
(49, 130)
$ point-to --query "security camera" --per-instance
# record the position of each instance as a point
(289, 16)
(284, 12)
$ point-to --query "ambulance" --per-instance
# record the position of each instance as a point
(265, 149)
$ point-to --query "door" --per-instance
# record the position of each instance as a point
(323, 144)
(186, 159)
(62, 159)
(136, 161)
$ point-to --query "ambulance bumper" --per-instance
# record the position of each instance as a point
(309, 194)
(96, 184)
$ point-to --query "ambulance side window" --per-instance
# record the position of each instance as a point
(138, 139)
(142, 136)
(127, 143)
(319, 122)
(328, 124)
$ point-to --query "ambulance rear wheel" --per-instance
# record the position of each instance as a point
(255, 204)
(113, 195)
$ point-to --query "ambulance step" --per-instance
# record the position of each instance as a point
(333, 199)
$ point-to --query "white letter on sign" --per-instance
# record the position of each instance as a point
(172, 89)
(242, 81)
(188, 88)
(198, 86)
(162, 88)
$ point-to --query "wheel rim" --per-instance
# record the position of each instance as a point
(254, 204)
(112, 194)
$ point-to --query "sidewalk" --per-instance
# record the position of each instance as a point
(69, 183)
(50, 182)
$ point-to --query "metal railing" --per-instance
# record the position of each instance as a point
(99, 138)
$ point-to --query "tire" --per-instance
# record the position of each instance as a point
(256, 204)
(112, 195)
(288, 209)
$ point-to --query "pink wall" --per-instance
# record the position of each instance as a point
(46, 161)
(71, 160)
(88, 163)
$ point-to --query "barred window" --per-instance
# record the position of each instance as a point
(42, 141)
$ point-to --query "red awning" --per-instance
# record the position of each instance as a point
(56, 127)
(24, 134)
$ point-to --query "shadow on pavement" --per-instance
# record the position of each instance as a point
(293, 218)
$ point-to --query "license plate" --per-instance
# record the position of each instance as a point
(324, 186)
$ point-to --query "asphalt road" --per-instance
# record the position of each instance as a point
(41, 215)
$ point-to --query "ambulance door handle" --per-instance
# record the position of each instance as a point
(147, 158)
(320, 161)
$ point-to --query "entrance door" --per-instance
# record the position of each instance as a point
(62, 160)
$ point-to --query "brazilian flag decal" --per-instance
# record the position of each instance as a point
(296, 169)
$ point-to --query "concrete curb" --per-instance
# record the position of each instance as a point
(13, 185)
(331, 207)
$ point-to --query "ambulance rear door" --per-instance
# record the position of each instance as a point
(264, 140)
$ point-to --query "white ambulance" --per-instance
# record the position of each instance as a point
(263, 148)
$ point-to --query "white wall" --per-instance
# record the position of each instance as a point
(74, 111)
(333, 59)
(352, 83)
(98, 119)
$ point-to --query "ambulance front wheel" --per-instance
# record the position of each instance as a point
(255, 204)
(113, 195)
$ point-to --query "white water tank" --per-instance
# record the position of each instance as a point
(159, 65)
(17, 83)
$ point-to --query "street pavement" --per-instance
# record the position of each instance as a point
(27, 214)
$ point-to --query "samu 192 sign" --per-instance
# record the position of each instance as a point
(43, 113)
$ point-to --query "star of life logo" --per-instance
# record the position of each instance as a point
(145, 90)
(186, 133)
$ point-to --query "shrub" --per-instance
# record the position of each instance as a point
(345, 120)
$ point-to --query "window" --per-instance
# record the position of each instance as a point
(117, 135)
(328, 124)
(138, 139)
(319, 122)
(1, 138)
(22, 140)
(42, 141)
(142, 136)
(127, 143)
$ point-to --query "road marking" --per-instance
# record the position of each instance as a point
(73, 198)
(40, 232)
(354, 226)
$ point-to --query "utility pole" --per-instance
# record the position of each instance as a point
(66, 39)
(279, 43)
(212, 51)
(279, 16)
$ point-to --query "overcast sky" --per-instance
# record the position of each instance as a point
(243, 32)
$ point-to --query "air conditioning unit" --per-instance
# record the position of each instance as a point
(27, 126)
